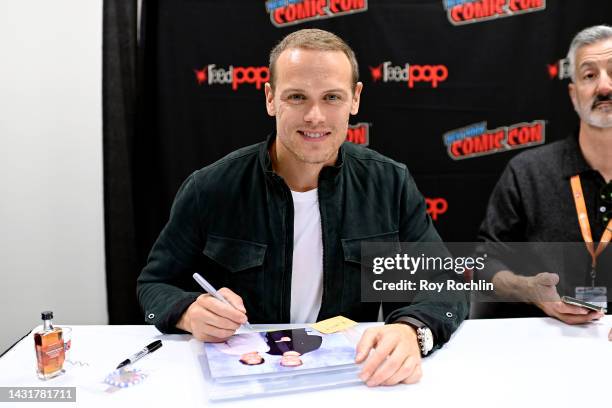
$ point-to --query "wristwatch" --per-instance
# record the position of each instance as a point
(424, 334)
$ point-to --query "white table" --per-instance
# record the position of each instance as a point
(488, 363)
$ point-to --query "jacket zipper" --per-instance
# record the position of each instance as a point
(286, 316)
(323, 259)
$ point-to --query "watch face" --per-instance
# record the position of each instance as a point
(425, 338)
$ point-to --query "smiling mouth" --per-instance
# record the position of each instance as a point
(313, 135)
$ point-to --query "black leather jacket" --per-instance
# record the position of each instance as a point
(232, 222)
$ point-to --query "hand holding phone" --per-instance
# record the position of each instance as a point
(580, 303)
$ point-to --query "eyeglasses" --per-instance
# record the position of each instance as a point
(606, 196)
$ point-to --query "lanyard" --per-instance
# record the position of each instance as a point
(585, 227)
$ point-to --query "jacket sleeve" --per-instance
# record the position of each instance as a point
(172, 260)
(442, 314)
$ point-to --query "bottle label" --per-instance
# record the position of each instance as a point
(53, 351)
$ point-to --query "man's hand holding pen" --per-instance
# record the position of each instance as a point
(211, 320)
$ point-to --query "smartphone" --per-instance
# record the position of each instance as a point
(580, 303)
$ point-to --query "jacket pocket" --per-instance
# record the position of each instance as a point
(240, 266)
(354, 284)
(233, 254)
(352, 246)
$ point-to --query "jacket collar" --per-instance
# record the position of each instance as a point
(264, 154)
(573, 162)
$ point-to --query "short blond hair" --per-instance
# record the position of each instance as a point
(313, 39)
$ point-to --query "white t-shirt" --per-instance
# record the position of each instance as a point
(307, 273)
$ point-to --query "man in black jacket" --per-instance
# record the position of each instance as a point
(279, 225)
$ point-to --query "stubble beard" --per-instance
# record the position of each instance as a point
(319, 157)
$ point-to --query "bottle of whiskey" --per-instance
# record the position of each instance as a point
(49, 344)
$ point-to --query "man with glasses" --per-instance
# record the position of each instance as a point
(562, 192)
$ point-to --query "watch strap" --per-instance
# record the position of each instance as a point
(411, 321)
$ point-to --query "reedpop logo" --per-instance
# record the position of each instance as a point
(559, 69)
(436, 206)
(433, 74)
(235, 76)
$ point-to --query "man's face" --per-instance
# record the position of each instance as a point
(312, 101)
(592, 91)
(291, 359)
(252, 358)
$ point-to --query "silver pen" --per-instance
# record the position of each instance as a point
(213, 292)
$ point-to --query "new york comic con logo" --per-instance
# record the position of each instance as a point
(462, 12)
(409, 73)
(359, 133)
(475, 140)
(289, 12)
(235, 76)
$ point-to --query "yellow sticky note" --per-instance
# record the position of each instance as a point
(333, 325)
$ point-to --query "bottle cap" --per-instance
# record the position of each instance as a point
(47, 315)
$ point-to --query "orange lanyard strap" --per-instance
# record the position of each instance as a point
(585, 227)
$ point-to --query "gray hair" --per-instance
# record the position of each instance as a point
(588, 36)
